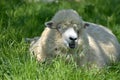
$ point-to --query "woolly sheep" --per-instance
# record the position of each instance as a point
(67, 34)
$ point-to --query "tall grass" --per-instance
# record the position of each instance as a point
(20, 19)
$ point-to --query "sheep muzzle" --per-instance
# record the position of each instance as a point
(72, 45)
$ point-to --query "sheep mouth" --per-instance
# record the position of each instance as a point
(72, 45)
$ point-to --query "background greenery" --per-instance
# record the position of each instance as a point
(21, 18)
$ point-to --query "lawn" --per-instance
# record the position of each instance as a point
(21, 18)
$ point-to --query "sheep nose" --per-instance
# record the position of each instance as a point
(73, 39)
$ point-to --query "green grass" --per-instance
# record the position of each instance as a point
(20, 19)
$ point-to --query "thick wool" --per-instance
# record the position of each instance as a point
(97, 45)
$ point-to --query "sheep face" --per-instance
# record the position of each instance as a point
(68, 31)
(69, 24)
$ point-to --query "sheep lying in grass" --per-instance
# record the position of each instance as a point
(67, 34)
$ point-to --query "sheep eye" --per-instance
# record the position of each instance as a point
(58, 27)
(78, 31)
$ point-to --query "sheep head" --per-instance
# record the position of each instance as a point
(69, 24)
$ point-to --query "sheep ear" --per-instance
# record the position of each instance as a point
(49, 24)
(86, 24)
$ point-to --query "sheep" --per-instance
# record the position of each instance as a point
(68, 35)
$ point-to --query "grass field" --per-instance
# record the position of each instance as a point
(20, 19)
